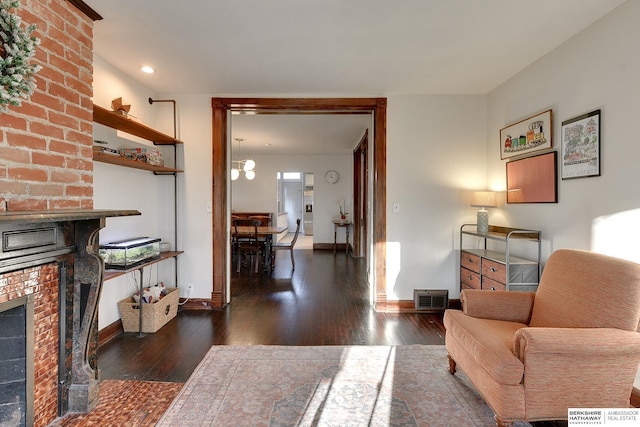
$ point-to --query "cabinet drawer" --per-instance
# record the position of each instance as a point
(469, 278)
(492, 285)
(494, 270)
(470, 261)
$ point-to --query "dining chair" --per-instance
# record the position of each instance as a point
(264, 220)
(247, 244)
(285, 246)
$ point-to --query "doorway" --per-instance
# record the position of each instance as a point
(221, 110)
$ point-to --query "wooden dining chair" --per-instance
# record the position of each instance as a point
(264, 220)
(247, 244)
(285, 246)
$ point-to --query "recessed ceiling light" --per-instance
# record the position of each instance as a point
(147, 69)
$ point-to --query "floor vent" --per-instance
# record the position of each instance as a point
(431, 299)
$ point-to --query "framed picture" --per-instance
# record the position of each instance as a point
(531, 134)
(533, 179)
(581, 146)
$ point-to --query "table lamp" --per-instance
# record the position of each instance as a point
(483, 200)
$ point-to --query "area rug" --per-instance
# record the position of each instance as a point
(327, 386)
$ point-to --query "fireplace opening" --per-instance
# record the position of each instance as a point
(16, 361)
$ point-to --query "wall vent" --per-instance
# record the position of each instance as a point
(431, 299)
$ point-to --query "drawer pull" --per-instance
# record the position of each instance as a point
(493, 288)
(468, 277)
(469, 260)
(493, 269)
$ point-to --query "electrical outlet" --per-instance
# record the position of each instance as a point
(189, 290)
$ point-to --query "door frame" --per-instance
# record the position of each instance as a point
(360, 196)
(222, 108)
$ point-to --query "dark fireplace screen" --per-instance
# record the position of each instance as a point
(16, 362)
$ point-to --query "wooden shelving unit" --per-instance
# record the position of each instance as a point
(121, 161)
(112, 274)
(122, 123)
(118, 121)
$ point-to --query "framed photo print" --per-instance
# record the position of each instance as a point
(531, 134)
(581, 146)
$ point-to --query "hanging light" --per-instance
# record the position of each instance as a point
(235, 174)
(247, 166)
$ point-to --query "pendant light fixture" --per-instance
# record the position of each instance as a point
(247, 166)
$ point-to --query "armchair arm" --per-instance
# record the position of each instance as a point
(577, 367)
(498, 305)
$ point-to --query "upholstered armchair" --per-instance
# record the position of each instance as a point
(572, 344)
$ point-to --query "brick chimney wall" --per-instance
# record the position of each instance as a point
(46, 144)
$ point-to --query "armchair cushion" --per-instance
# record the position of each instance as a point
(489, 342)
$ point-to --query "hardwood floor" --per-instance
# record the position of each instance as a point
(323, 302)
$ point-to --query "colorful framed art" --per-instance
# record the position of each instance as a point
(531, 134)
(581, 146)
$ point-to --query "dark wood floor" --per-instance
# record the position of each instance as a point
(323, 302)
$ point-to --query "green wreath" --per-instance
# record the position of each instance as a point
(17, 47)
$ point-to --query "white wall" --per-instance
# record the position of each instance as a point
(596, 69)
(435, 157)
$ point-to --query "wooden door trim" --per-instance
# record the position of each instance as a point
(360, 186)
(221, 108)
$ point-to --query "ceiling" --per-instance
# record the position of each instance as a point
(330, 48)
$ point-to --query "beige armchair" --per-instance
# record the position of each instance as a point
(572, 344)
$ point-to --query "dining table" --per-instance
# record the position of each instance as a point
(264, 231)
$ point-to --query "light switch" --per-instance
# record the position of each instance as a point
(209, 207)
(396, 207)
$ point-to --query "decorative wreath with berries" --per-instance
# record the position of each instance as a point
(17, 47)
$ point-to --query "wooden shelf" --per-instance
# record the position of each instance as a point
(112, 274)
(121, 161)
(118, 121)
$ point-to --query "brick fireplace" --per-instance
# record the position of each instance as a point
(49, 259)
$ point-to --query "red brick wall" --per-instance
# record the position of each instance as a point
(46, 144)
(42, 282)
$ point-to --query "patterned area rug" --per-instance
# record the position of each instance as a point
(327, 386)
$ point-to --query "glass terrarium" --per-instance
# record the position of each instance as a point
(125, 254)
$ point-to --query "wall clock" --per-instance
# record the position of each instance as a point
(332, 176)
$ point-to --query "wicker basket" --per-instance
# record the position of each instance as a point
(154, 316)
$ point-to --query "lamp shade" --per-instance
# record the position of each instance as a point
(484, 199)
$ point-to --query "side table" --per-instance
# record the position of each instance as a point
(347, 226)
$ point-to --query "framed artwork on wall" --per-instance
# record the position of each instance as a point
(531, 134)
(533, 179)
(581, 146)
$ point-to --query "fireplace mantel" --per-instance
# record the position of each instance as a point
(69, 238)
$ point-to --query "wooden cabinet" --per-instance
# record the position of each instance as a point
(497, 268)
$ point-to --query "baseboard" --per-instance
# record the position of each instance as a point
(340, 247)
(408, 306)
(108, 333)
(195, 304)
